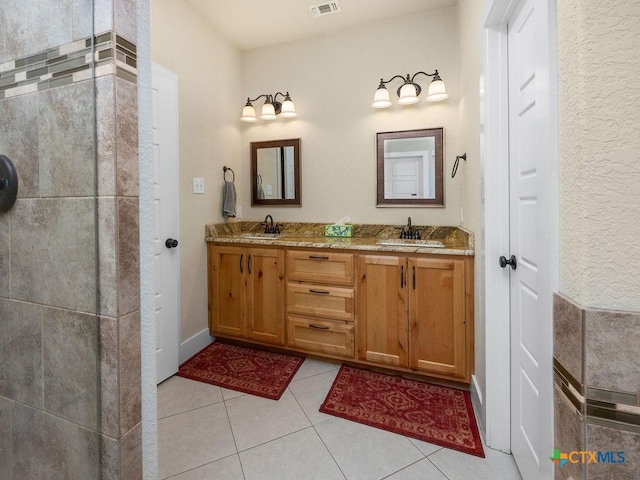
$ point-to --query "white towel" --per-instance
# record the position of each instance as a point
(229, 200)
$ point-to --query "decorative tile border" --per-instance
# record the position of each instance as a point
(93, 56)
(597, 405)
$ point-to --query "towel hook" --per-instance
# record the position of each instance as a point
(455, 165)
(225, 169)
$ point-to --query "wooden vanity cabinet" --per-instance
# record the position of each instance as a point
(246, 293)
(412, 313)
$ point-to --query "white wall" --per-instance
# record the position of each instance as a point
(208, 68)
(332, 79)
(599, 176)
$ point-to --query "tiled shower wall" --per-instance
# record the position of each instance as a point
(597, 388)
(69, 284)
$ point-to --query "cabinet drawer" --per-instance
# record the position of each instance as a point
(321, 336)
(319, 266)
(320, 301)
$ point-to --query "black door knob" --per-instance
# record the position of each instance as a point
(512, 261)
(171, 243)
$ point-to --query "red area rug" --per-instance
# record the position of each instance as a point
(247, 370)
(432, 413)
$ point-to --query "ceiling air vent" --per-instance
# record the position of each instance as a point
(324, 9)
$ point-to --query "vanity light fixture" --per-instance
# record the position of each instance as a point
(408, 92)
(270, 109)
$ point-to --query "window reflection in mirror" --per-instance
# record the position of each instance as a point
(410, 168)
(275, 167)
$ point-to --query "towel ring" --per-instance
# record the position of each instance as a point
(225, 169)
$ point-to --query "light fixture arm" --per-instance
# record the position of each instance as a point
(384, 82)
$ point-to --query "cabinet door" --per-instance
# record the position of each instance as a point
(265, 292)
(382, 309)
(227, 290)
(437, 316)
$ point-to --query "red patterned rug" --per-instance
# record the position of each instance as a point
(247, 370)
(432, 413)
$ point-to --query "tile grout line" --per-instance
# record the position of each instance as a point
(200, 466)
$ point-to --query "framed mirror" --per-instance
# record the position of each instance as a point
(275, 173)
(410, 168)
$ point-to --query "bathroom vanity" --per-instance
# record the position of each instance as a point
(405, 305)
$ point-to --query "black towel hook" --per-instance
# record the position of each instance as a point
(225, 169)
(455, 165)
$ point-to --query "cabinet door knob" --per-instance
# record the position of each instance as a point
(171, 243)
(512, 261)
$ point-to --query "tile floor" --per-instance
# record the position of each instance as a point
(209, 433)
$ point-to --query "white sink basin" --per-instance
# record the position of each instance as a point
(260, 236)
(401, 242)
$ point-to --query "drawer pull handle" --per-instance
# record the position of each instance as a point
(241, 257)
(318, 257)
(319, 327)
(401, 276)
(319, 292)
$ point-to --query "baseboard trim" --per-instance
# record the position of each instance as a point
(476, 402)
(476, 392)
(193, 345)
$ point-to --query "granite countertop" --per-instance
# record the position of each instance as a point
(455, 240)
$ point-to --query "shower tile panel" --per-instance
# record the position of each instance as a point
(612, 345)
(70, 350)
(19, 125)
(125, 18)
(109, 378)
(128, 256)
(127, 138)
(63, 249)
(130, 364)
(569, 434)
(21, 347)
(26, 18)
(106, 140)
(604, 439)
(43, 443)
(131, 454)
(5, 438)
(5, 253)
(107, 255)
(66, 141)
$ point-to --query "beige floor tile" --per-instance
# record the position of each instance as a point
(228, 394)
(177, 395)
(366, 453)
(422, 470)
(425, 447)
(227, 468)
(312, 367)
(192, 439)
(311, 392)
(299, 456)
(256, 420)
(461, 466)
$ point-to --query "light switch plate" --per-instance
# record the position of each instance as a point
(238, 211)
(198, 185)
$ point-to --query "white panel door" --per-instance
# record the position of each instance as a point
(530, 295)
(167, 227)
(404, 176)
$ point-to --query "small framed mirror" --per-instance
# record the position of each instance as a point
(275, 173)
(410, 168)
